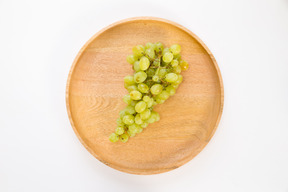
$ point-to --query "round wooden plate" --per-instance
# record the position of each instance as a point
(95, 90)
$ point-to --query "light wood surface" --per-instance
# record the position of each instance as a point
(95, 90)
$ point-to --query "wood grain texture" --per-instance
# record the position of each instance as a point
(95, 90)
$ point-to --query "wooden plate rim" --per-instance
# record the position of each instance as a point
(146, 18)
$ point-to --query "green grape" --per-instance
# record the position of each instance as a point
(139, 130)
(114, 137)
(146, 98)
(138, 50)
(162, 72)
(150, 53)
(152, 117)
(150, 103)
(156, 89)
(163, 95)
(145, 114)
(177, 69)
(184, 65)
(165, 50)
(171, 90)
(119, 130)
(133, 128)
(149, 45)
(175, 49)
(140, 76)
(132, 88)
(143, 88)
(136, 66)
(154, 102)
(129, 80)
(135, 95)
(133, 103)
(128, 119)
(160, 101)
(122, 113)
(177, 57)
(130, 110)
(144, 63)
(155, 78)
(120, 122)
(179, 80)
(131, 134)
(174, 63)
(167, 57)
(138, 119)
(156, 62)
(140, 106)
(127, 99)
(159, 47)
(131, 59)
(144, 125)
(156, 115)
(124, 138)
(150, 72)
(175, 86)
(171, 77)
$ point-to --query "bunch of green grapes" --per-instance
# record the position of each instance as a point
(156, 78)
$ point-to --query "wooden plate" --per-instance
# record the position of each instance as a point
(95, 90)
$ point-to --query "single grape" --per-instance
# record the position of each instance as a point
(171, 90)
(175, 86)
(140, 106)
(138, 50)
(131, 59)
(128, 119)
(114, 137)
(177, 57)
(149, 45)
(139, 130)
(179, 80)
(138, 119)
(127, 99)
(156, 89)
(174, 63)
(143, 88)
(150, 72)
(119, 130)
(157, 115)
(133, 103)
(119, 122)
(135, 95)
(145, 114)
(140, 76)
(133, 128)
(155, 78)
(144, 63)
(163, 95)
(175, 49)
(171, 77)
(136, 66)
(132, 88)
(159, 47)
(160, 101)
(130, 110)
(129, 80)
(150, 53)
(152, 117)
(184, 65)
(146, 98)
(150, 103)
(156, 62)
(144, 125)
(177, 69)
(167, 57)
(162, 73)
(122, 113)
(124, 138)
(131, 134)
(165, 50)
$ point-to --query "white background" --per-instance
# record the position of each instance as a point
(38, 148)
